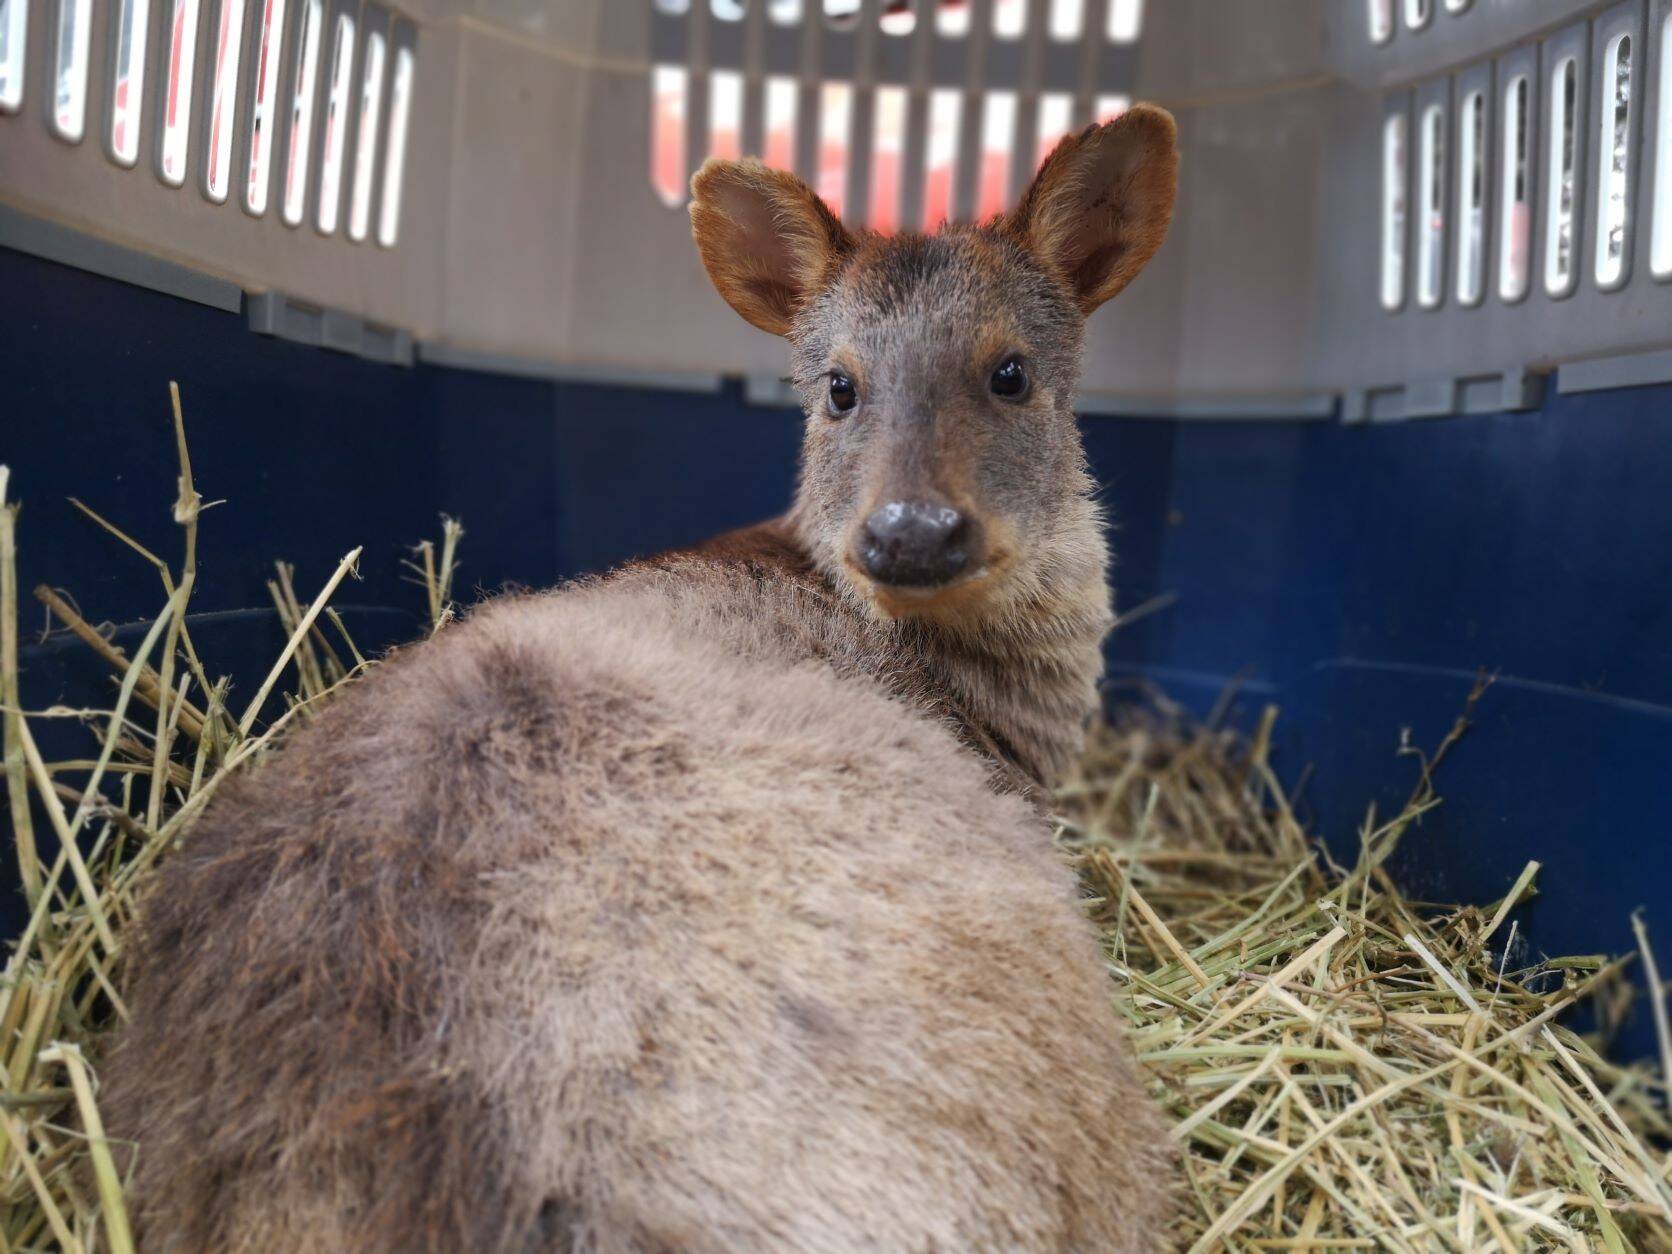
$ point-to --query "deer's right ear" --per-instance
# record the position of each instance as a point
(768, 242)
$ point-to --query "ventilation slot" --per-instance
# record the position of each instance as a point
(69, 69)
(1431, 238)
(266, 92)
(725, 114)
(1010, 18)
(998, 141)
(1515, 206)
(365, 141)
(1471, 225)
(394, 162)
(1614, 164)
(14, 39)
(1394, 179)
(1561, 208)
(1056, 117)
(1660, 246)
(127, 90)
(177, 91)
(953, 20)
(223, 98)
(835, 128)
(1125, 21)
(1381, 21)
(667, 133)
(303, 87)
(888, 157)
(338, 91)
(778, 147)
(1067, 19)
(946, 108)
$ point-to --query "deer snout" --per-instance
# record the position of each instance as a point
(916, 544)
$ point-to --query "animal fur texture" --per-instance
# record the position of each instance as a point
(708, 905)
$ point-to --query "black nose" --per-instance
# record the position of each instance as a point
(914, 544)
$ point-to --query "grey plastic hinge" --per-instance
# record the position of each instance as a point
(276, 314)
(1509, 391)
(1430, 398)
(1362, 405)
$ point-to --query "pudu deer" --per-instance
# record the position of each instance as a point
(709, 905)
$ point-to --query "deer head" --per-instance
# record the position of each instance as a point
(942, 471)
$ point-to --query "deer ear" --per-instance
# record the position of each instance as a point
(1099, 206)
(768, 242)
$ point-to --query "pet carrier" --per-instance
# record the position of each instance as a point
(1449, 210)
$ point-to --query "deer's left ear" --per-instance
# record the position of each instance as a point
(1100, 205)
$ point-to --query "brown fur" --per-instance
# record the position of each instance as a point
(696, 907)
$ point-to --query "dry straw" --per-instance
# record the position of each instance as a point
(1345, 1068)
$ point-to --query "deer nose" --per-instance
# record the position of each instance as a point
(914, 544)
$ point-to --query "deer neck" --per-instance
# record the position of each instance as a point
(1022, 678)
(1028, 676)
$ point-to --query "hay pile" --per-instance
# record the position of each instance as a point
(1346, 1070)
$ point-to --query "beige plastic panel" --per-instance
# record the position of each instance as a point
(514, 188)
(531, 234)
(1216, 49)
(640, 296)
(608, 276)
(1249, 226)
(530, 230)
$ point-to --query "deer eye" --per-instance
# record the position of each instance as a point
(1010, 380)
(843, 396)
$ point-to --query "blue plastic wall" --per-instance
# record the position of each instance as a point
(1360, 578)
(1357, 577)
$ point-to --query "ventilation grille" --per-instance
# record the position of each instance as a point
(898, 113)
(294, 107)
(1532, 174)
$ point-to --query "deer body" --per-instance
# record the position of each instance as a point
(707, 906)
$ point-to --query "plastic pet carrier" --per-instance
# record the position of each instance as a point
(1389, 409)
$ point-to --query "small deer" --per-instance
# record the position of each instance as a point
(709, 905)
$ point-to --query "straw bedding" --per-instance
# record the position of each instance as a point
(1348, 1069)
(1345, 1068)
